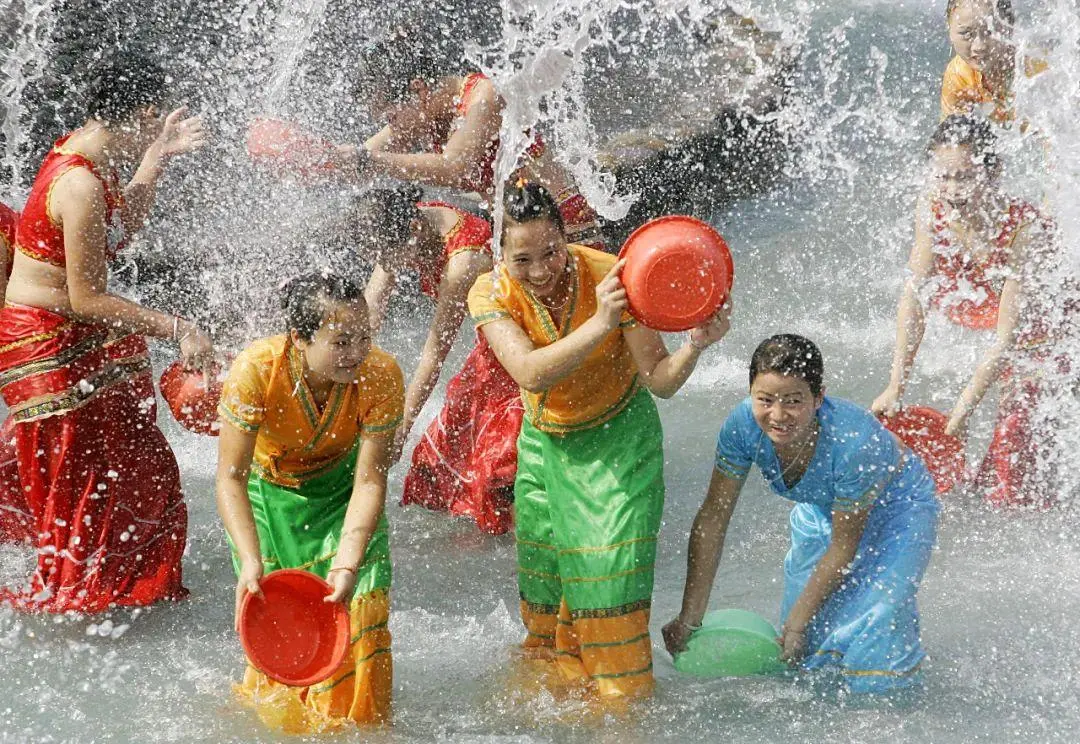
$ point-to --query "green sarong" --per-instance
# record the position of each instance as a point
(301, 527)
(587, 509)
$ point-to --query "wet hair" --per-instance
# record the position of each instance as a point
(122, 83)
(389, 67)
(383, 217)
(790, 355)
(306, 299)
(967, 130)
(1003, 9)
(529, 201)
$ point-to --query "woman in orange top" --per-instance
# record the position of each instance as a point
(104, 507)
(443, 130)
(308, 418)
(985, 260)
(980, 76)
(589, 492)
(466, 460)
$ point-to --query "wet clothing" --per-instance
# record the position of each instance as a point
(96, 487)
(9, 222)
(868, 628)
(466, 461)
(299, 490)
(607, 380)
(968, 292)
(589, 493)
(39, 234)
(89, 480)
(266, 392)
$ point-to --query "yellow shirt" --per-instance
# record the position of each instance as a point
(604, 383)
(265, 392)
(963, 89)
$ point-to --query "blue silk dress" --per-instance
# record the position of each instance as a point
(868, 628)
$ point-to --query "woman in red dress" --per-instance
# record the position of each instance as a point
(985, 259)
(443, 130)
(9, 220)
(466, 461)
(100, 486)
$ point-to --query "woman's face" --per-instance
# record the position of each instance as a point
(404, 114)
(958, 180)
(535, 255)
(979, 36)
(783, 406)
(341, 344)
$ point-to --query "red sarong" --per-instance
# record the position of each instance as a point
(467, 459)
(95, 489)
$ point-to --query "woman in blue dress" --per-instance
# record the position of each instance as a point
(862, 528)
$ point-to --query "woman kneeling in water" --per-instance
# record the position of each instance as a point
(308, 420)
(861, 532)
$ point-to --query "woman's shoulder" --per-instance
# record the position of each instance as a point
(599, 263)
(263, 351)
(380, 366)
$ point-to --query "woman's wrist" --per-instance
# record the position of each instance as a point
(687, 625)
(698, 346)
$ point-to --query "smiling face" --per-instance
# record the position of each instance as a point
(979, 36)
(535, 256)
(959, 181)
(784, 407)
(340, 345)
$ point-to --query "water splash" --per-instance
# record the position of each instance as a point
(21, 65)
(296, 24)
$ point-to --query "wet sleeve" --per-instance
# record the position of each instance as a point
(734, 454)
(484, 304)
(384, 414)
(865, 466)
(959, 90)
(243, 395)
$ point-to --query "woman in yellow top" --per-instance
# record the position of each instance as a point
(308, 422)
(980, 76)
(589, 491)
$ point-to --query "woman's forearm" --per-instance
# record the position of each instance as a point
(429, 168)
(235, 510)
(823, 581)
(361, 520)
(986, 374)
(910, 326)
(671, 372)
(141, 190)
(125, 316)
(543, 368)
(426, 376)
(702, 560)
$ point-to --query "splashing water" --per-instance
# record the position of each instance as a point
(31, 23)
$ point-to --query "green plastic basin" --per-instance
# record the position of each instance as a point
(731, 643)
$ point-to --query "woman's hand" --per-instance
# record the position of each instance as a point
(611, 300)
(246, 583)
(676, 634)
(342, 580)
(196, 349)
(713, 330)
(792, 645)
(886, 404)
(180, 134)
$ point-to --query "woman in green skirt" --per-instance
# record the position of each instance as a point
(308, 419)
(590, 490)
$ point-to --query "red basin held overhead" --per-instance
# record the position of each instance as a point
(678, 272)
